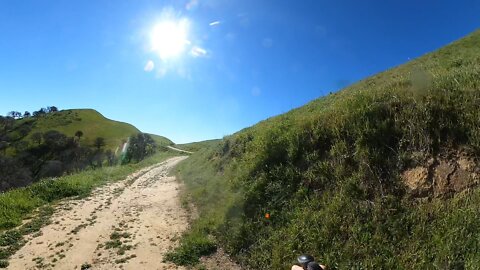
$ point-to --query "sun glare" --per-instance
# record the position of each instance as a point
(169, 38)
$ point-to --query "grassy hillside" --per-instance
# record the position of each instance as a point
(331, 175)
(89, 121)
(48, 145)
(197, 146)
(160, 140)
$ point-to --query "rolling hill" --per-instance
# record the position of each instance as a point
(90, 122)
(55, 143)
(380, 175)
(160, 140)
(196, 146)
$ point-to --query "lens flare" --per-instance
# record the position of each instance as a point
(169, 38)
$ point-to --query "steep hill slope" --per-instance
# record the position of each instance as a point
(379, 175)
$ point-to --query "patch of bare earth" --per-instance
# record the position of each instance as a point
(128, 224)
(445, 175)
(219, 261)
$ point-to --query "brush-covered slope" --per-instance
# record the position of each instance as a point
(332, 174)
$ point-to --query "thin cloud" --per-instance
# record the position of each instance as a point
(149, 66)
(214, 23)
(198, 52)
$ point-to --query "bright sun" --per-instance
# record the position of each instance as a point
(169, 38)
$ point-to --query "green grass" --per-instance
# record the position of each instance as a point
(13, 240)
(192, 247)
(328, 173)
(194, 244)
(204, 187)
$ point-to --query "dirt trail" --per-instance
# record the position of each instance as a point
(128, 224)
(179, 150)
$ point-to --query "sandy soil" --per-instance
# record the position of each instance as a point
(128, 224)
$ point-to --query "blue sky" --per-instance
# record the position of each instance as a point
(241, 62)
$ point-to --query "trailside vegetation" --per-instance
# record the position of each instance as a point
(329, 175)
(139, 147)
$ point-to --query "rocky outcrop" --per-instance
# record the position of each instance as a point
(443, 175)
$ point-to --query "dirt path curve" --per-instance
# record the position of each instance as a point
(179, 150)
(128, 224)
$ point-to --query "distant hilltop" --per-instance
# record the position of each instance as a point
(89, 122)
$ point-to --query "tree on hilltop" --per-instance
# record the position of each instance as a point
(14, 114)
(52, 109)
(40, 112)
